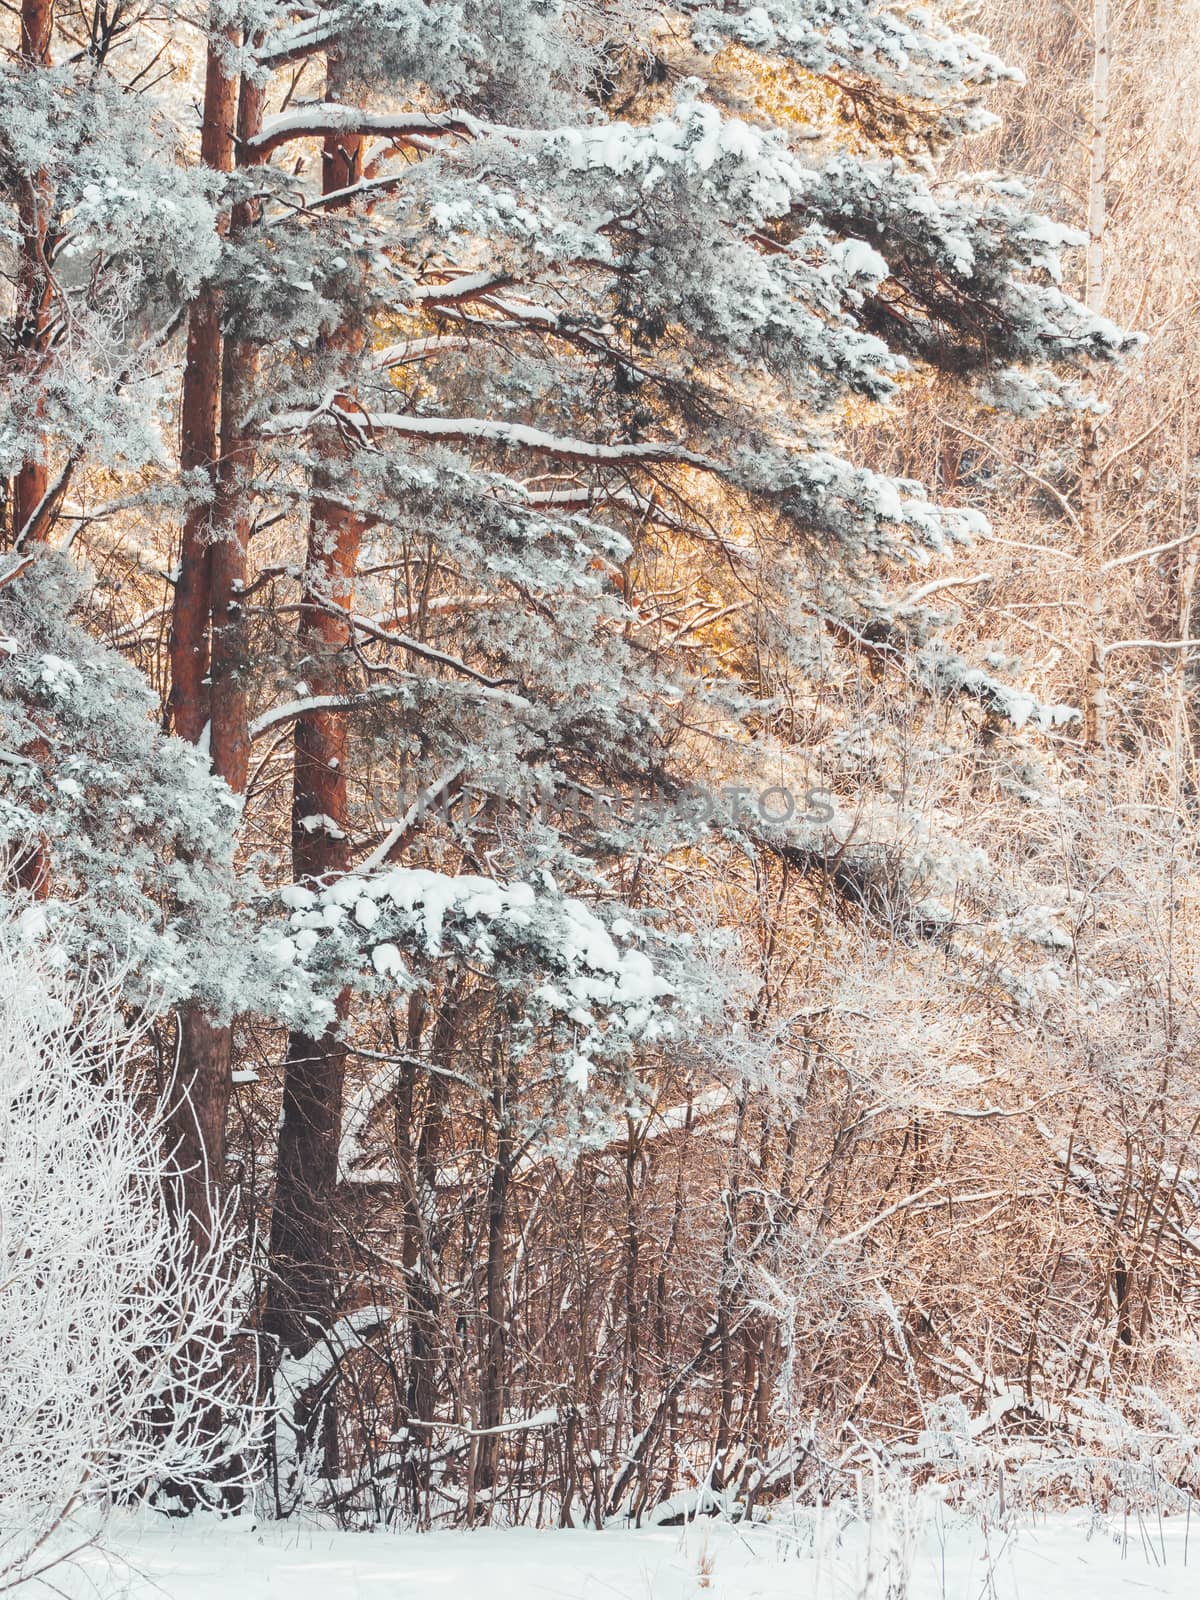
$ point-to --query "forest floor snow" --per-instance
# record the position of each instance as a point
(934, 1557)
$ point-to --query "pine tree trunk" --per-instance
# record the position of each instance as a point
(33, 287)
(233, 518)
(32, 302)
(199, 1105)
(200, 436)
(301, 1293)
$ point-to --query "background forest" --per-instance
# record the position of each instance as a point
(598, 754)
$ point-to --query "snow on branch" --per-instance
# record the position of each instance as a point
(322, 702)
(317, 122)
(575, 973)
(297, 1377)
(467, 286)
(114, 1336)
(378, 694)
(487, 430)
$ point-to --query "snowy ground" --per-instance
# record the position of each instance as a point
(1058, 1559)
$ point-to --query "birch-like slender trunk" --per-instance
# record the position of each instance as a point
(422, 1241)
(1091, 493)
(494, 1378)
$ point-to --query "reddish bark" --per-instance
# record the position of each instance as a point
(33, 302)
(233, 519)
(302, 1239)
(200, 438)
(34, 288)
(32, 870)
(199, 1106)
(37, 24)
(301, 1291)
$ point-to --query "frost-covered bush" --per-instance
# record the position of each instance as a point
(115, 1370)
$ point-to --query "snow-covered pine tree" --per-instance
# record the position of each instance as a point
(569, 292)
(493, 312)
(107, 239)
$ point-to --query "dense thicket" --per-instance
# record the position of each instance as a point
(673, 985)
